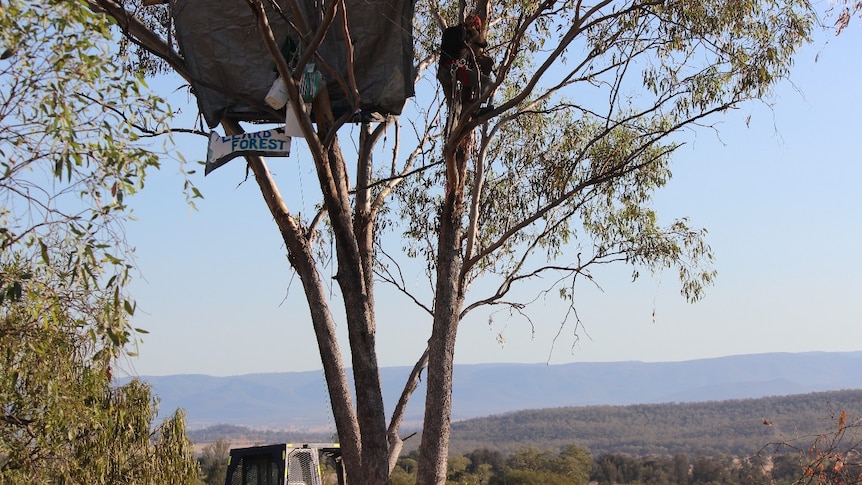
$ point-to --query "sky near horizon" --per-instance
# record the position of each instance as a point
(779, 195)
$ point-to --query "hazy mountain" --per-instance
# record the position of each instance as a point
(298, 400)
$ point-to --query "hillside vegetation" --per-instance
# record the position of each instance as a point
(738, 427)
(733, 442)
(735, 427)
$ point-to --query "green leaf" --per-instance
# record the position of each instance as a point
(129, 307)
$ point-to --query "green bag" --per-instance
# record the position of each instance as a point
(309, 85)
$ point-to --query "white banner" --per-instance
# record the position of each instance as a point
(270, 143)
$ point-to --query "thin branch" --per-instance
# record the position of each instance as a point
(395, 441)
(387, 276)
(144, 130)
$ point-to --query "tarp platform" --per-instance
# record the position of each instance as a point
(233, 70)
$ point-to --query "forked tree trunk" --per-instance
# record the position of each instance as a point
(353, 239)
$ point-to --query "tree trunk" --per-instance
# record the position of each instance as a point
(434, 448)
(359, 310)
(301, 258)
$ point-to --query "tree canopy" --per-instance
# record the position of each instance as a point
(591, 101)
(71, 151)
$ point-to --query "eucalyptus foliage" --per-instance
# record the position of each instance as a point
(597, 98)
(72, 149)
(64, 420)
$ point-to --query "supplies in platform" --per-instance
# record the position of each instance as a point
(309, 86)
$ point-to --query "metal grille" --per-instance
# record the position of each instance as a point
(254, 471)
(236, 478)
(301, 467)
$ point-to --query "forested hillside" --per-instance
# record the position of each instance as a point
(736, 427)
(734, 442)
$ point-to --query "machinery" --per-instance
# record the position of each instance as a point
(286, 464)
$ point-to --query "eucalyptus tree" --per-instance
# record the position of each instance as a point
(591, 101)
(70, 153)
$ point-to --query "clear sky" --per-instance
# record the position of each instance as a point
(780, 197)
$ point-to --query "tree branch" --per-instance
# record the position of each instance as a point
(395, 441)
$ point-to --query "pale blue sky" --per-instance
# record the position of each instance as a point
(780, 198)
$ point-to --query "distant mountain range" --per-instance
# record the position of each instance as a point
(298, 400)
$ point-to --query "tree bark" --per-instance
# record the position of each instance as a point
(395, 441)
(434, 447)
(359, 310)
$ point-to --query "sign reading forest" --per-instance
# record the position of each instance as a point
(221, 149)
